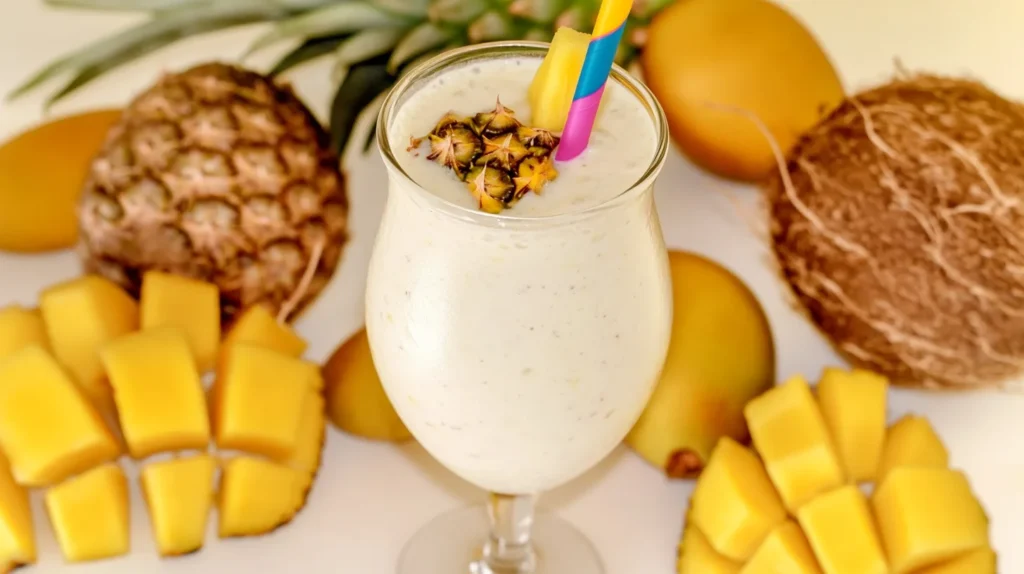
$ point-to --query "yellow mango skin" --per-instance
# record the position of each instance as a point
(790, 435)
(356, 401)
(554, 84)
(853, 405)
(260, 400)
(193, 306)
(786, 550)
(696, 556)
(256, 326)
(17, 537)
(927, 516)
(703, 388)
(19, 328)
(734, 503)
(981, 561)
(48, 429)
(159, 397)
(257, 496)
(841, 531)
(81, 316)
(179, 495)
(911, 441)
(89, 514)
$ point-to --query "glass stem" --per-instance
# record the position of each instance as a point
(508, 549)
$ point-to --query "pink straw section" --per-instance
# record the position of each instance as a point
(578, 126)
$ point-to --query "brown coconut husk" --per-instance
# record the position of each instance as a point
(898, 222)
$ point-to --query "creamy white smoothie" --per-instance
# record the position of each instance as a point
(520, 348)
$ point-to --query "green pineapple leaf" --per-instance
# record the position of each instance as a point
(333, 19)
(308, 50)
(426, 36)
(367, 44)
(412, 8)
(362, 84)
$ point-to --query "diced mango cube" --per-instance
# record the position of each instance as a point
(190, 304)
(89, 514)
(159, 397)
(256, 326)
(309, 445)
(19, 328)
(554, 84)
(696, 556)
(912, 441)
(17, 539)
(257, 496)
(734, 503)
(980, 561)
(179, 494)
(81, 316)
(48, 429)
(786, 550)
(260, 401)
(790, 435)
(853, 404)
(926, 516)
(842, 533)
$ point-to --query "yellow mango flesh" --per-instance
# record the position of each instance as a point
(257, 496)
(980, 561)
(256, 326)
(734, 503)
(259, 402)
(19, 328)
(842, 533)
(191, 305)
(81, 316)
(554, 84)
(912, 442)
(926, 516)
(696, 556)
(310, 438)
(792, 439)
(853, 405)
(48, 429)
(89, 514)
(785, 550)
(17, 539)
(159, 396)
(179, 494)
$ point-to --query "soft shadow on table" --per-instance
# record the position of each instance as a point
(569, 492)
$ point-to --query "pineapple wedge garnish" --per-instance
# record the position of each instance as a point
(553, 86)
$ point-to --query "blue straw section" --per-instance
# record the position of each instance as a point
(598, 63)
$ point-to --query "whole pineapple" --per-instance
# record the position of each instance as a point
(219, 174)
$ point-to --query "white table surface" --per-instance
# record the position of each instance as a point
(371, 497)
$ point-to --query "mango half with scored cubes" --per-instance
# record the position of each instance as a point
(796, 500)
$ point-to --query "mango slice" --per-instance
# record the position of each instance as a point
(311, 435)
(853, 404)
(981, 561)
(256, 326)
(19, 328)
(257, 496)
(696, 556)
(159, 396)
(926, 516)
(89, 514)
(734, 503)
(785, 550)
(554, 84)
(81, 316)
(179, 494)
(192, 305)
(842, 533)
(17, 539)
(260, 400)
(790, 435)
(912, 441)
(48, 429)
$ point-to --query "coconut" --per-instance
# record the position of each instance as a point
(898, 222)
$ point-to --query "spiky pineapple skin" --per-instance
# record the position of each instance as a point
(220, 174)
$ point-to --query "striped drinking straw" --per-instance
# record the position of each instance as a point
(604, 42)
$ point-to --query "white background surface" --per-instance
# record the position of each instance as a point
(371, 497)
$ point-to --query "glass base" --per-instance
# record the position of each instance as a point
(453, 544)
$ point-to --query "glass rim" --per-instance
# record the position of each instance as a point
(506, 48)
